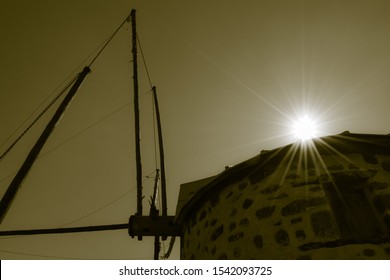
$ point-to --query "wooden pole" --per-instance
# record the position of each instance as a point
(162, 161)
(63, 230)
(136, 115)
(10, 194)
(156, 247)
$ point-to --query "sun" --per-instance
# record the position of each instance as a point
(304, 128)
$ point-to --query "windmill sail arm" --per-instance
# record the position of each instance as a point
(13, 188)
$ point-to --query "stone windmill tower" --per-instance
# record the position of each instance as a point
(326, 199)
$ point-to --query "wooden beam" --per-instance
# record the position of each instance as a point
(13, 188)
(64, 230)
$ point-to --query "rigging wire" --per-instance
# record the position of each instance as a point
(151, 88)
(101, 47)
(78, 133)
(46, 99)
(153, 111)
(109, 40)
(36, 119)
(160, 207)
(89, 127)
(85, 216)
(74, 73)
(38, 255)
(105, 205)
(154, 134)
(91, 213)
(99, 209)
(144, 61)
(170, 248)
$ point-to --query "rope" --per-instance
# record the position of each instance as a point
(37, 118)
(38, 255)
(105, 205)
(55, 99)
(36, 109)
(91, 213)
(78, 134)
(144, 61)
(99, 209)
(151, 86)
(109, 40)
(154, 134)
(171, 244)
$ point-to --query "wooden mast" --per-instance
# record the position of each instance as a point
(136, 115)
(161, 149)
(152, 225)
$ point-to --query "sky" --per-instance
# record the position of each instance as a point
(232, 78)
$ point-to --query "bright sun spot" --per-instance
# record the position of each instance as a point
(304, 128)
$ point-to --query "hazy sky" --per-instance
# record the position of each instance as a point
(232, 76)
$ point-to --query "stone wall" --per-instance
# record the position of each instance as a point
(288, 213)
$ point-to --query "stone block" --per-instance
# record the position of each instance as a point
(244, 222)
(265, 212)
(247, 203)
(202, 215)
(236, 236)
(232, 226)
(258, 241)
(270, 189)
(229, 194)
(278, 223)
(233, 212)
(300, 234)
(217, 233)
(282, 238)
(235, 197)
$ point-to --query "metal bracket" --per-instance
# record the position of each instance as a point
(153, 226)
